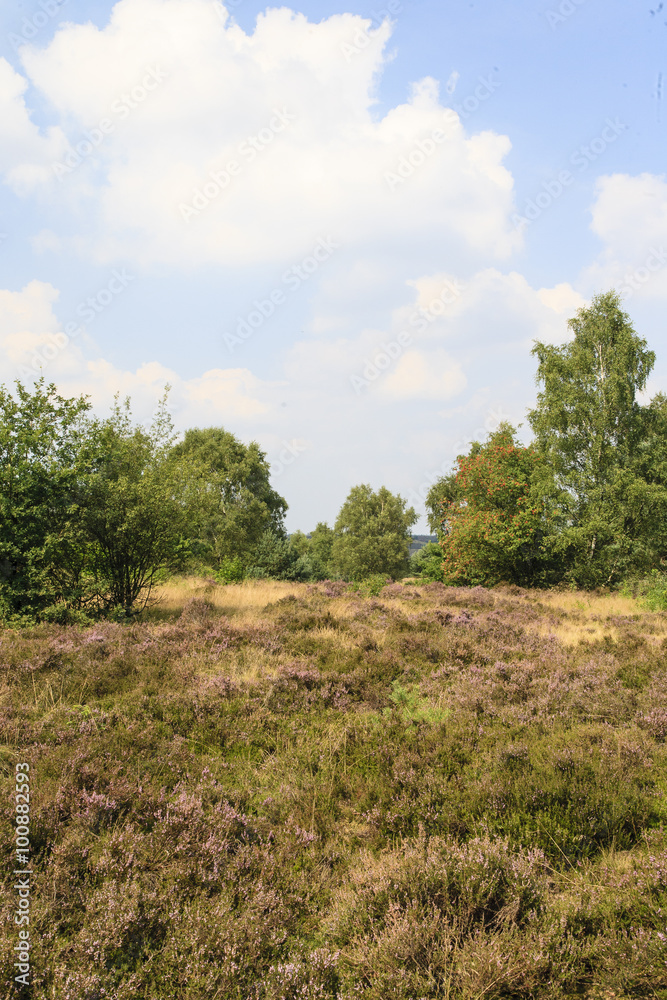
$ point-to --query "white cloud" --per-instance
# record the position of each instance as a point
(186, 93)
(449, 334)
(33, 343)
(424, 375)
(630, 217)
(25, 153)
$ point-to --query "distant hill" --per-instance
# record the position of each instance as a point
(419, 541)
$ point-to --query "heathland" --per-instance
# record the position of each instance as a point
(272, 791)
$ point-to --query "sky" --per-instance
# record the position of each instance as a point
(333, 228)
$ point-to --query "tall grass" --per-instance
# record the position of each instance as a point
(276, 791)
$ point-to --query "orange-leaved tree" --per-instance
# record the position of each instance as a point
(496, 515)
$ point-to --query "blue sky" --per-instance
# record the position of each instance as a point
(334, 228)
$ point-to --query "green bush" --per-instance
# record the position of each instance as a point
(427, 563)
(651, 591)
(371, 585)
(231, 571)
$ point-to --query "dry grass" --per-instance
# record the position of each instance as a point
(576, 616)
(244, 599)
(584, 617)
(590, 604)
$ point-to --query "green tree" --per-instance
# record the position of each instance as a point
(276, 559)
(320, 551)
(444, 491)
(427, 562)
(372, 534)
(136, 504)
(496, 520)
(300, 542)
(241, 504)
(42, 555)
(595, 439)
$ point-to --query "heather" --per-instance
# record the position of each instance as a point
(272, 791)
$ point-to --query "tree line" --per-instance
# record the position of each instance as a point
(586, 502)
(93, 512)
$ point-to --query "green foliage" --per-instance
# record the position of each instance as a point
(314, 552)
(321, 544)
(42, 557)
(444, 491)
(135, 506)
(370, 586)
(495, 518)
(650, 590)
(275, 558)
(372, 534)
(300, 543)
(240, 504)
(231, 571)
(599, 445)
(91, 509)
(427, 562)
(319, 552)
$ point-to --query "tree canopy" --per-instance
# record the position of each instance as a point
(372, 534)
(241, 504)
(494, 518)
(40, 465)
(599, 443)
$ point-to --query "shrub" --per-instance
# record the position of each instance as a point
(231, 571)
(427, 563)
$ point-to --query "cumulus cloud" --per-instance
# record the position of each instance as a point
(33, 343)
(26, 153)
(173, 142)
(191, 142)
(449, 334)
(630, 217)
(425, 375)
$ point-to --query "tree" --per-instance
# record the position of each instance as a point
(136, 503)
(372, 534)
(427, 562)
(276, 559)
(314, 552)
(594, 436)
(300, 542)
(42, 559)
(495, 518)
(241, 504)
(320, 551)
